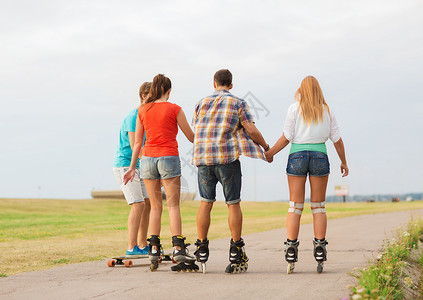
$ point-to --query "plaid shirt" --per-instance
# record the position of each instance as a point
(219, 137)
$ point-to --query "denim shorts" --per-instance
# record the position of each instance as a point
(164, 167)
(229, 176)
(312, 163)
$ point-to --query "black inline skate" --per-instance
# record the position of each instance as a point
(185, 261)
(291, 254)
(154, 251)
(202, 252)
(320, 253)
(237, 257)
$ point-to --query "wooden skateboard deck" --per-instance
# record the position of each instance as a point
(127, 260)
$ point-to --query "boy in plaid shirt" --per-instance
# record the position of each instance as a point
(223, 130)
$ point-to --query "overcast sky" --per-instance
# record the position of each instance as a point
(70, 72)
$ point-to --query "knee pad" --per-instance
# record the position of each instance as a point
(318, 207)
(293, 207)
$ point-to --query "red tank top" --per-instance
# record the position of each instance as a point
(161, 128)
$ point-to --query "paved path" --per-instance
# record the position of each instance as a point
(352, 241)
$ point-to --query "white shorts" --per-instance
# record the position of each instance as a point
(134, 191)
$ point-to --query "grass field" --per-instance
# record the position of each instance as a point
(37, 234)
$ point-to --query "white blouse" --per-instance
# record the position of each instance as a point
(297, 131)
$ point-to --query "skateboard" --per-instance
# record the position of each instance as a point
(127, 260)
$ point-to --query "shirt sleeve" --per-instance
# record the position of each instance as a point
(289, 128)
(177, 109)
(245, 113)
(194, 117)
(130, 123)
(335, 135)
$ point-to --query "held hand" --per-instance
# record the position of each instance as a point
(128, 176)
(344, 170)
(269, 157)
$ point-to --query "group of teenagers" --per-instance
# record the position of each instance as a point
(147, 159)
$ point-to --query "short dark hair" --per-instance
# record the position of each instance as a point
(223, 77)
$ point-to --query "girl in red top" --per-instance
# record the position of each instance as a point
(160, 164)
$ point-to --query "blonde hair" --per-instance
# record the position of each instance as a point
(144, 90)
(310, 97)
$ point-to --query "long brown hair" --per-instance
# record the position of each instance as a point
(311, 100)
(161, 84)
(144, 90)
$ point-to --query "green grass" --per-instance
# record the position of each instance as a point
(386, 278)
(37, 234)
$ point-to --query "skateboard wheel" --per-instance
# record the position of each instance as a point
(111, 263)
(128, 263)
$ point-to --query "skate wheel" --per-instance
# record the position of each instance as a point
(111, 263)
(128, 263)
(203, 268)
(319, 267)
(173, 261)
(154, 266)
(290, 268)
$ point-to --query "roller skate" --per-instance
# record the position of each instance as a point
(185, 261)
(202, 253)
(291, 254)
(319, 253)
(237, 257)
(154, 252)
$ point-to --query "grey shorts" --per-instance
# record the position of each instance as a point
(164, 167)
(134, 191)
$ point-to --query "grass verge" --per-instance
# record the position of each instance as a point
(397, 272)
(37, 234)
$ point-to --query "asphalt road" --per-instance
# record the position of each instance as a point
(352, 241)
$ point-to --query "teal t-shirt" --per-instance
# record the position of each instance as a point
(124, 152)
(320, 147)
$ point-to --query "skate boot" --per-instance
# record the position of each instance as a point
(319, 253)
(185, 261)
(154, 251)
(202, 253)
(291, 254)
(237, 257)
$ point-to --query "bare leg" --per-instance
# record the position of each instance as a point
(235, 221)
(143, 230)
(154, 191)
(203, 219)
(172, 188)
(296, 194)
(318, 194)
(134, 223)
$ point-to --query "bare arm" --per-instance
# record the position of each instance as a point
(340, 149)
(136, 149)
(255, 134)
(131, 136)
(183, 124)
(278, 146)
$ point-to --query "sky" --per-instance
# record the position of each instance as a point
(71, 72)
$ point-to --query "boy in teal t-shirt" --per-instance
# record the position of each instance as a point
(135, 192)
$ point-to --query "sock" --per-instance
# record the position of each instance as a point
(291, 241)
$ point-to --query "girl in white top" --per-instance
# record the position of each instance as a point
(309, 124)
